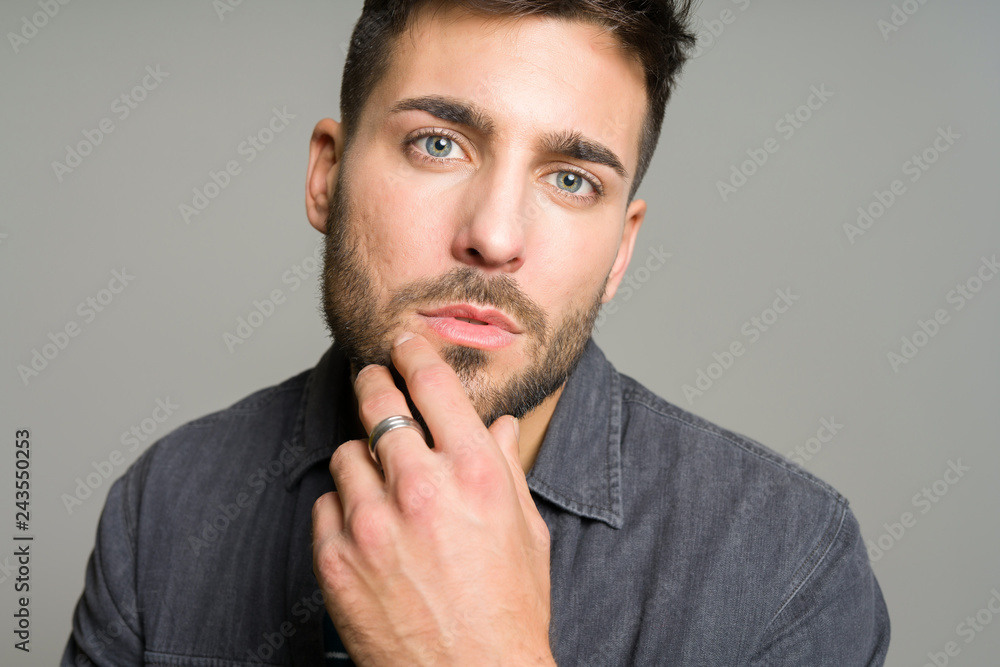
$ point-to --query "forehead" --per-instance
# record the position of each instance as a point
(532, 75)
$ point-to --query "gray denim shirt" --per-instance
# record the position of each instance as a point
(674, 541)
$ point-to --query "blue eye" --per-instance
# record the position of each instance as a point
(570, 182)
(438, 146)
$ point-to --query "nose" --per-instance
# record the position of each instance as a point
(499, 210)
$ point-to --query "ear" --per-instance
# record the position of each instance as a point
(634, 216)
(325, 154)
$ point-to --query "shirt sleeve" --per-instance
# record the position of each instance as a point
(106, 627)
(834, 615)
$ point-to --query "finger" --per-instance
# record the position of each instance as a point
(438, 394)
(506, 432)
(378, 398)
(355, 475)
(327, 518)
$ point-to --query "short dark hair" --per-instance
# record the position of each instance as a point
(654, 32)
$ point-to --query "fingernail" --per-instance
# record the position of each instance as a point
(364, 369)
(402, 338)
(517, 428)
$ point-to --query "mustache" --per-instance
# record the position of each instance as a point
(466, 284)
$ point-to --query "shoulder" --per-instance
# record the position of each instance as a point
(247, 422)
(724, 492)
(223, 446)
(672, 436)
(753, 518)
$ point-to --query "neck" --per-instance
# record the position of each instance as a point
(534, 425)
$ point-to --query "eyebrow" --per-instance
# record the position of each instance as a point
(563, 142)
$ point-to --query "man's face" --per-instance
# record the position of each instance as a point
(439, 214)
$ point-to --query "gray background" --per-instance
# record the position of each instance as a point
(162, 337)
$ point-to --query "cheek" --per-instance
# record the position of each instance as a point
(572, 269)
(400, 230)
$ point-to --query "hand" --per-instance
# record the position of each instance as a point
(445, 561)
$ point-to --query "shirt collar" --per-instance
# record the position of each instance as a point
(578, 467)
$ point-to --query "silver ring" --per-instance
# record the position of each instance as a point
(386, 425)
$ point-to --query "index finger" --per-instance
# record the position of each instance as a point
(378, 398)
(438, 393)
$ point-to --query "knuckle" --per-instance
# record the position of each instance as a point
(432, 377)
(479, 474)
(369, 528)
(378, 404)
(417, 495)
(328, 560)
(329, 564)
(339, 459)
(317, 506)
(543, 538)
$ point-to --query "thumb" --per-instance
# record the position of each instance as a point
(507, 432)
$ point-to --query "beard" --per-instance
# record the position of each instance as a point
(364, 328)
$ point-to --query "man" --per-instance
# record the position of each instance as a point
(478, 205)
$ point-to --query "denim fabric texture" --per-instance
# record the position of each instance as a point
(674, 541)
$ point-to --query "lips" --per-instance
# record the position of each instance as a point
(481, 316)
(467, 325)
